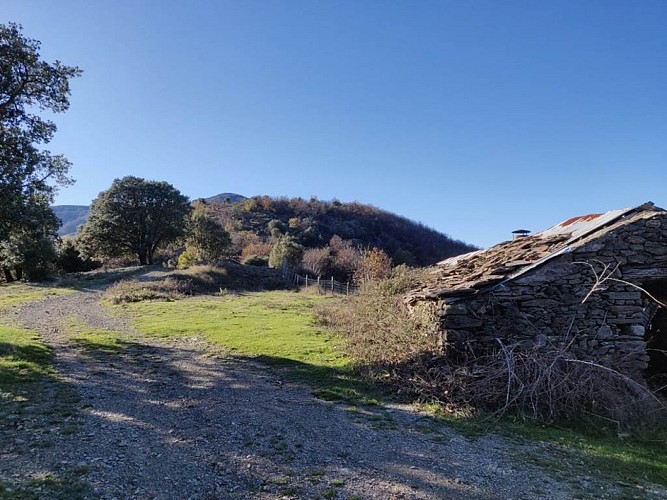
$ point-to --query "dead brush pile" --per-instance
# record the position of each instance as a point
(548, 384)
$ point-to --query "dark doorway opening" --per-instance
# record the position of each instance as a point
(656, 345)
(656, 339)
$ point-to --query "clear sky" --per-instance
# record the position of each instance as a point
(473, 117)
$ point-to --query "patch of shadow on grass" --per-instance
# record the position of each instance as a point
(65, 485)
(342, 384)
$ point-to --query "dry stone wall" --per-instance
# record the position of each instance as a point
(546, 305)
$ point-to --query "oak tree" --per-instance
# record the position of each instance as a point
(28, 174)
(134, 216)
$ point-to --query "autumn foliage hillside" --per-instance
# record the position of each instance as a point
(255, 222)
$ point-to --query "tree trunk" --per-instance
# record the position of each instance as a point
(142, 258)
(150, 256)
(8, 274)
(19, 273)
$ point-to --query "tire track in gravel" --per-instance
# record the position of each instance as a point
(171, 420)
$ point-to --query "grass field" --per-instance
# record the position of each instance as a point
(275, 328)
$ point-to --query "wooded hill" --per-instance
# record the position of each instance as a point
(313, 223)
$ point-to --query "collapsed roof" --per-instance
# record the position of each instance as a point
(474, 272)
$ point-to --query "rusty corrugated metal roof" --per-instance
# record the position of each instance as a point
(577, 227)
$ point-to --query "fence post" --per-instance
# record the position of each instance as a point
(318, 285)
(347, 288)
(332, 290)
(306, 281)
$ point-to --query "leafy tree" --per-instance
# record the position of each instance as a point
(28, 250)
(288, 250)
(134, 216)
(28, 174)
(206, 238)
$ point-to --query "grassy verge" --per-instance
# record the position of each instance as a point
(31, 398)
(95, 340)
(16, 294)
(275, 328)
(573, 449)
(628, 460)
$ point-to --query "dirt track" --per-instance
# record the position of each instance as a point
(172, 420)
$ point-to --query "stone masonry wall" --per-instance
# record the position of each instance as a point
(544, 306)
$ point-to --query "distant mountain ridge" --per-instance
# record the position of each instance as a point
(71, 216)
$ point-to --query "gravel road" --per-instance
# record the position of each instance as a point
(176, 420)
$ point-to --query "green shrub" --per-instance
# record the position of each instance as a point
(288, 250)
(70, 260)
(189, 257)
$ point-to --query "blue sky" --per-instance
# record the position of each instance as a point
(475, 118)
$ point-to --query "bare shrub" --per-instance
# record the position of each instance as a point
(258, 249)
(375, 264)
(317, 261)
(378, 331)
(549, 384)
(553, 384)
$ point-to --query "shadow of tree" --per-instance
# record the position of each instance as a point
(171, 421)
(197, 412)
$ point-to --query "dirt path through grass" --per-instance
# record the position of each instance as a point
(173, 419)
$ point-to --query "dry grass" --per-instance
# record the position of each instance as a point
(137, 291)
(197, 280)
(378, 331)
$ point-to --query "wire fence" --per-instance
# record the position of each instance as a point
(323, 285)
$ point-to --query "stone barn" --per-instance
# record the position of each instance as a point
(597, 282)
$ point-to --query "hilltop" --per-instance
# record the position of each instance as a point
(313, 223)
(225, 198)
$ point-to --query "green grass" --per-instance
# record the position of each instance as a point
(97, 340)
(17, 294)
(30, 391)
(24, 358)
(273, 324)
(276, 328)
(639, 458)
